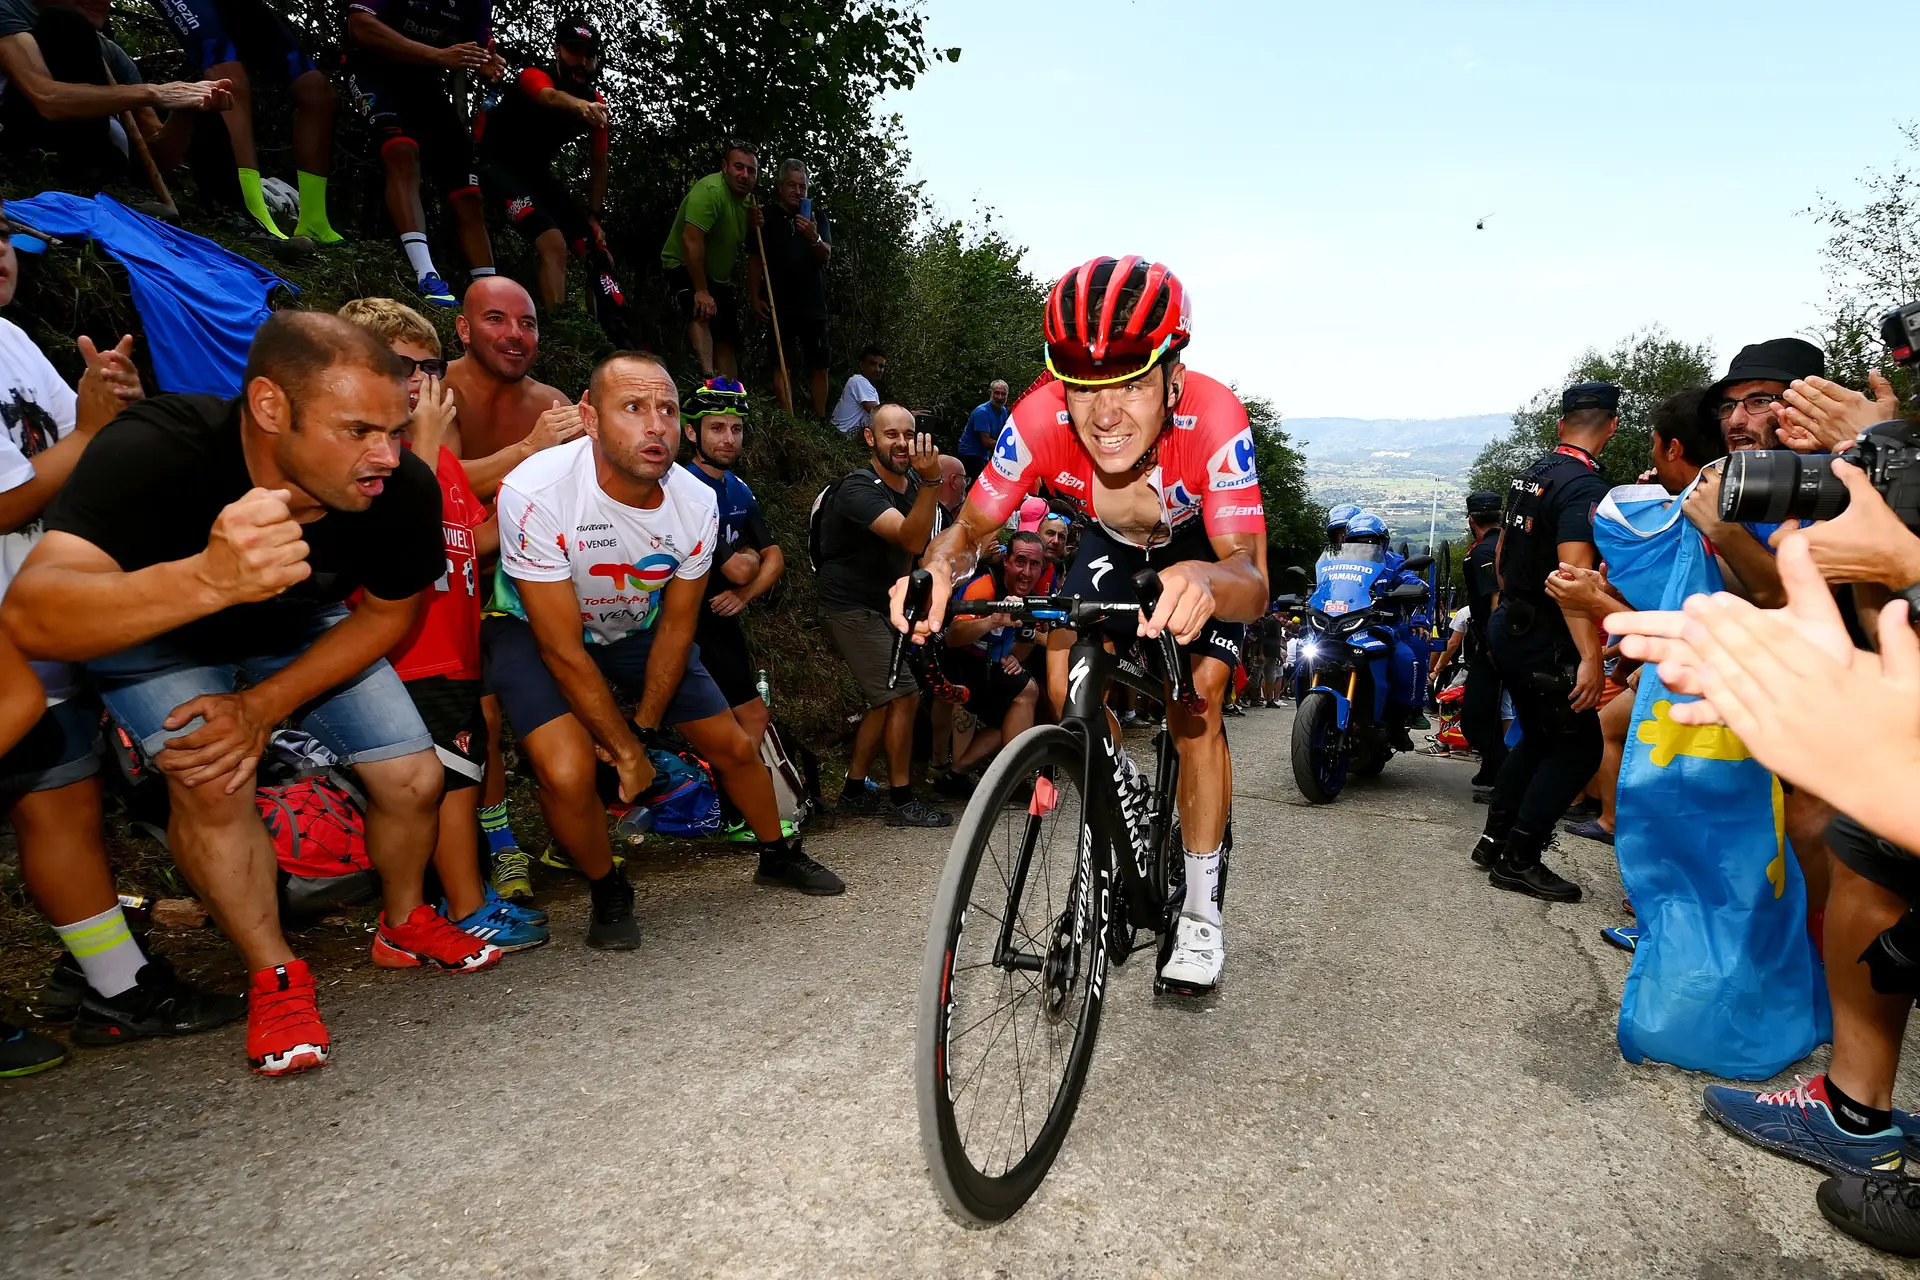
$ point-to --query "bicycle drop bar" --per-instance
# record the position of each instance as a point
(1073, 611)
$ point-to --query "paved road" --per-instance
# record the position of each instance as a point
(1408, 1074)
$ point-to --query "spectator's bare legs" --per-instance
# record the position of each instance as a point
(551, 245)
(561, 752)
(63, 851)
(940, 725)
(238, 117)
(1867, 1026)
(402, 159)
(754, 717)
(470, 222)
(1615, 718)
(781, 391)
(819, 377)
(901, 713)
(1807, 816)
(222, 847)
(989, 740)
(866, 743)
(314, 105)
(403, 820)
(456, 854)
(723, 359)
(493, 789)
(700, 338)
(720, 741)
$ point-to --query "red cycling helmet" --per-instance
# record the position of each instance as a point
(1112, 319)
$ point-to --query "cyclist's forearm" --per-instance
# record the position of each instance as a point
(957, 549)
(1239, 589)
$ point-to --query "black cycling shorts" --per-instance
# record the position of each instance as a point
(990, 689)
(1874, 859)
(1103, 569)
(535, 203)
(723, 648)
(243, 31)
(451, 710)
(413, 104)
(725, 323)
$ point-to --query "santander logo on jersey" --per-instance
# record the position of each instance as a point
(1231, 467)
(1011, 455)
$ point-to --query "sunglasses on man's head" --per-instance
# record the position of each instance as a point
(433, 368)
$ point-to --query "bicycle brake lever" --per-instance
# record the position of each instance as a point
(913, 608)
(1146, 585)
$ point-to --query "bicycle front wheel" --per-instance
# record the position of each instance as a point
(1010, 990)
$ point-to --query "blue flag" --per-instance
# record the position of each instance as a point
(1725, 978)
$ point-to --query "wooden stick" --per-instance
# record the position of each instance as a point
(139, 144)
(773, 309)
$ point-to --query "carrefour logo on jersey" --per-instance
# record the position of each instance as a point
(1232, 466)
(1011, 455)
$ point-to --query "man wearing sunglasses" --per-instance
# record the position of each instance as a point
(1162, 460)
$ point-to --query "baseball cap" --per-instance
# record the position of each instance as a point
(577, 30)
(1483, 503)
(1590, 395)
(1776, 360)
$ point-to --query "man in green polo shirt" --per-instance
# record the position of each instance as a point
(704, 249)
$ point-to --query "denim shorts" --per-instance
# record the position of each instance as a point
(367, 719)
(531, 697)
(62, 748)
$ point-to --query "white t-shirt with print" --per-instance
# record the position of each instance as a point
(1460, 619)
(36, 413)
(851, 414)
(556, 523)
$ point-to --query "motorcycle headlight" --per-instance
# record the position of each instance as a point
(1310, 649)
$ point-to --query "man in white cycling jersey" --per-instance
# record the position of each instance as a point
(1161, 459)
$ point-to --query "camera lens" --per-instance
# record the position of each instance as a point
(1767, 486)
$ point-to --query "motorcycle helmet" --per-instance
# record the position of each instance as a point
(1338, 516)
(1367, 527)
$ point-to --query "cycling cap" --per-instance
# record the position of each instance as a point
(1338, 517)
(577, 30)
(1110, 320)
(716, 395)
(1366, 525)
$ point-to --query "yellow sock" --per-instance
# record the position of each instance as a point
(313, 211)
(256, 202)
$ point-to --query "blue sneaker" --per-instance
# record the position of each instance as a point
(1590, 830)
(1798, 1123)
(497, 924)
(531, 914)
(1624, 936)
(434, 290)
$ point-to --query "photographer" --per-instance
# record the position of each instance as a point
(1844, 723)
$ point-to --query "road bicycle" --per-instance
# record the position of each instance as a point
(1066, 856)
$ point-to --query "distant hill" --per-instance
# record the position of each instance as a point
(1397, 466)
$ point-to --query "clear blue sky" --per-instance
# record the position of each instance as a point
(1314, 172)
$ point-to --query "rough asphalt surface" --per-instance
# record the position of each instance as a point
(1406, 1073)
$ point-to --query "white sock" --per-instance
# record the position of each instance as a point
(1203, 886)
(480, 273)
(414, 245)
(105, 949)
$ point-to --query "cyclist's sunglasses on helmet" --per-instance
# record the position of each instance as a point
(1076, 369)
(433, 367)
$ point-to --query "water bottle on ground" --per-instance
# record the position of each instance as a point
(766, 690)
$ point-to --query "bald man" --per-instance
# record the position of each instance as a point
(503, 416)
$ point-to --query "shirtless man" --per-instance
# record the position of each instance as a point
(502, 418)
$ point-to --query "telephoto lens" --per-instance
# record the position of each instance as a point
(1767, 486)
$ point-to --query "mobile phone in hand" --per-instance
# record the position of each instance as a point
(806, 207)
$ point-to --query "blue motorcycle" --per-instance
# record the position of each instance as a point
(1340, 682)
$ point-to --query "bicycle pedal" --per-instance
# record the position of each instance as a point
(1187, 991)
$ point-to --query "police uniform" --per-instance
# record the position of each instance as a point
(1549, 503)
(1480, 709)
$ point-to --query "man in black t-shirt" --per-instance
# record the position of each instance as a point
(799, 244)
(876, 522)
(198, 561)
(1480, 708)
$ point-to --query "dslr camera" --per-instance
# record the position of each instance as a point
(1767, 486)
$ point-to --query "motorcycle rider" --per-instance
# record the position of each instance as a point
(1337, 518)
(1404, 686)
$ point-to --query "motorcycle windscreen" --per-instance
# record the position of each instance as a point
(1344, 578)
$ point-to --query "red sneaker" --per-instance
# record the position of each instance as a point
(284, 1031)
(427, 937)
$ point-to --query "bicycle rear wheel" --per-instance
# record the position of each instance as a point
(1010, 990)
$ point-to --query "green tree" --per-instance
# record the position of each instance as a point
(1872, 263)
(1648, 366)
(1296, 525)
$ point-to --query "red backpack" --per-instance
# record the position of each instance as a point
(317, 829)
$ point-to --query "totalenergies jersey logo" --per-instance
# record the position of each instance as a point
(650, 574)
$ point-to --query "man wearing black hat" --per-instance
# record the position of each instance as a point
(1480, 711)
(1747, 403)
(1549, 660)
(519, 138)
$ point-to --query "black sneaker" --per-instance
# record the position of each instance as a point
(1534, 878)
(1398, 738)
(791, 868)
(952, 783)
(24, 1052)
(917, 813)
(159, 1003)
(613, 927)
(59, 1000)
(864, 803)
(1487, 852)
(1883, 1212)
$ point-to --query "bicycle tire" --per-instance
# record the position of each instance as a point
(970, 1193)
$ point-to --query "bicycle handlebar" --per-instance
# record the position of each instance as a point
(1073, 611)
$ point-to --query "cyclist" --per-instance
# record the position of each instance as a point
(520, 135)
(1161, 458)
(402, 51)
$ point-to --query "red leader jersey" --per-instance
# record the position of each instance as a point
(445, 639)
(1204, 469)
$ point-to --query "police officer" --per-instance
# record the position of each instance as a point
(1548, 660)
(1480, 709)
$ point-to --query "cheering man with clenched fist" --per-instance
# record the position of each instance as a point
(198, 562)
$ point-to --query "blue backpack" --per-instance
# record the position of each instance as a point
(683, 801)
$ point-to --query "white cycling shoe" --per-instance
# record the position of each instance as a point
(1199, 953)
